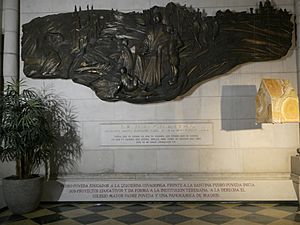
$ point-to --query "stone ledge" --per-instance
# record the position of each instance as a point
(176, 176)
(171, 187)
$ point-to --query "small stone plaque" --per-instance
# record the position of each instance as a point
(157, 134)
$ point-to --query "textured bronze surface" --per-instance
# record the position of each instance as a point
(151, 56)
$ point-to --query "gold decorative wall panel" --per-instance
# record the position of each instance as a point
(276, 102)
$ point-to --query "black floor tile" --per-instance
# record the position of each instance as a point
(49, 218)
(12, 218)
(131, 218)
(173, 208)
(173, 218)
(211, 207)
(216, 218)
(99, 208)
(248, 208)
(294, 217)
(287, 207)
(136, 208)
(256, 218)
(91, 218)
(133, 213)
(63, 208)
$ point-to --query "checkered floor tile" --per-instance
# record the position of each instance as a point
(191, 213)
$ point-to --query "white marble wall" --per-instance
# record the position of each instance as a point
(297, 13)
(10, 30)
(240, 146)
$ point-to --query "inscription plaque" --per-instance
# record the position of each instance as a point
(157, 134)
(176, 190)
(155, 190)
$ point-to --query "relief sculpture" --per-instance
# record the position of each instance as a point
(151, 56)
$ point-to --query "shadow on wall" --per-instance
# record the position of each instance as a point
(238, 110)
(2, 202)
(52, 190)
(66, 149)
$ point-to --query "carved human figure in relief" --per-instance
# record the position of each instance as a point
(152, 55)
(174, 45)
(128, 82)
(126, 58)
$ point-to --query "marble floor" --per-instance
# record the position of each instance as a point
(181, 213)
